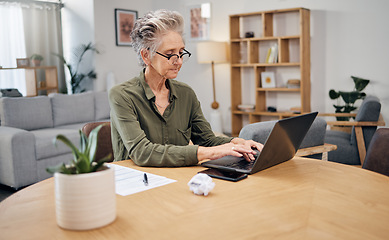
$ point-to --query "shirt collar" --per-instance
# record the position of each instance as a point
(149, 93)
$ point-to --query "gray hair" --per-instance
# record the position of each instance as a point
(148, 30)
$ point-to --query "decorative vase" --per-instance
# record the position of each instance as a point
(85, 201)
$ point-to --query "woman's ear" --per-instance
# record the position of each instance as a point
(145, 56)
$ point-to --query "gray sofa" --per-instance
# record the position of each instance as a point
(29, 125)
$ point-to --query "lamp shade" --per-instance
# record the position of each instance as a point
(208, 52)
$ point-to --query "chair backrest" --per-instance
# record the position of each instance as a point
(261, 130)
(377, 156)
(369, 111)
(104, 141)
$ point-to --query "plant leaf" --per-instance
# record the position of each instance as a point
(83, 141)
(101, 163)
(65, 140)
(338, 108)
(92, 142)
(333, 94)
(56, 168)
(92, 74)
(83, 165)
(360, 83)
(350, 97)
(349, 109)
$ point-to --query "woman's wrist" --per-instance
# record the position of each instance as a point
(202, 153)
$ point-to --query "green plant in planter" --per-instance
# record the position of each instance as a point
(36, 57)
(349, 98)
(84, 157)
(76, 78)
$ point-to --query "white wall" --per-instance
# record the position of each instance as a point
(348, 37)
(119, 60)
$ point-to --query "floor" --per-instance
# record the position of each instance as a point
(5, 192)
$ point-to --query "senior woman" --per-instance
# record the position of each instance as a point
(153, 117)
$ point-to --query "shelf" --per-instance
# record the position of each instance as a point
(270, 11)
(24, 68)
(289, 30)
(32, 79)
(264, 39)
(46, 88)
(278, 89)
(294, 64)
(274, 114)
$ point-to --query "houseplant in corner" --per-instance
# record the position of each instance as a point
(84, 189)
(349, 98)
(77, 76)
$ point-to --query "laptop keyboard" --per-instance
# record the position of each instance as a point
(243, 164)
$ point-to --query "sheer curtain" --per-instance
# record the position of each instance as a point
(38, 29)
(12, 46)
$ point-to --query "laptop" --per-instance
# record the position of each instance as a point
(280, 146)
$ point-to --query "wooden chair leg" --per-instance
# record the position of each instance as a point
(360, 143)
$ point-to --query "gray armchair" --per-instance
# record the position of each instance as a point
(351, 148)
(260, 131)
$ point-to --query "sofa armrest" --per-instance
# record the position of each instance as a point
(18, 166)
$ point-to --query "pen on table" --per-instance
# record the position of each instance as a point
(145, 180)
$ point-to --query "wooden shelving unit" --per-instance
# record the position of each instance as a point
(37, 86)
(249, 53)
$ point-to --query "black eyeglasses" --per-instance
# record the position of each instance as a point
(173, 58)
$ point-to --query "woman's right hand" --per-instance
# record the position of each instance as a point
(216, 152)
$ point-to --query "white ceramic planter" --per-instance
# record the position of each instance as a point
(85, 201)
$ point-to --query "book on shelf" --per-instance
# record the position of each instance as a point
(272, 54)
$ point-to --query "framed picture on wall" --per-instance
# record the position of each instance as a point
(124, 22)
(199, 18)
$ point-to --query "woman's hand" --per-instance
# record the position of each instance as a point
(238, 147)
(248, 144)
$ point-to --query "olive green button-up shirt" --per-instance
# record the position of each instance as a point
(141, 133)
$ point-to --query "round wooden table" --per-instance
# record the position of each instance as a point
(298, 199)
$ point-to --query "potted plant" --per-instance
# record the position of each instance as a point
(349, 98)
(84, 189)
(77, 77)
(36, 60)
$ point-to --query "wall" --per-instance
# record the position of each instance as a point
(119, 60)
(347, 38)
(78, 28)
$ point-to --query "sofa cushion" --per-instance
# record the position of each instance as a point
(28, 113)
(44, 142)
(102, 108)
(75, 108)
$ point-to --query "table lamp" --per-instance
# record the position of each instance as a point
(213, 52)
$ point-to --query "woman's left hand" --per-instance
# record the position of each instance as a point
(242, 144)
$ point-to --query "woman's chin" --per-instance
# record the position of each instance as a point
(172, 74)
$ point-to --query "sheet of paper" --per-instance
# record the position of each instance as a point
(129, 181)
